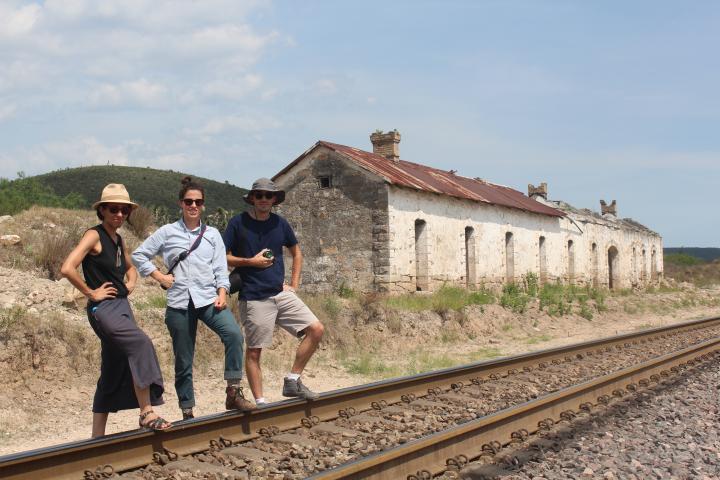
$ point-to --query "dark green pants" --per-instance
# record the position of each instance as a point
(182, 325)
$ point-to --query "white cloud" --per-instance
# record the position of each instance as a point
(7, 110)
(116, 42)
(140, 93)
(325, 86)
(234, 89)
(15, 22)
(233, 123)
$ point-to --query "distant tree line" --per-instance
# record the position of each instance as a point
(21, 193)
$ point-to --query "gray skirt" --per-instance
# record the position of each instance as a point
(127, 357)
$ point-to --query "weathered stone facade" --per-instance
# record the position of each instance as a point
(339, 214)
(374, 223)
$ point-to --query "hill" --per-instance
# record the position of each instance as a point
(708, 254)
(147, 186)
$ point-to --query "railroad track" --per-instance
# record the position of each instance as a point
(412, 427)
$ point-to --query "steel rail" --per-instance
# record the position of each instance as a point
(134, 449)
(431, 453)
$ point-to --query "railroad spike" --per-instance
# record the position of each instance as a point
(420, 475)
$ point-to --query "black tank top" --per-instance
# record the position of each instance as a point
(108, 266)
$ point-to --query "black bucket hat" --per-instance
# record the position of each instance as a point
(265, 185)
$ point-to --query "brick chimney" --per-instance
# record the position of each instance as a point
(535, 192)
(386, 144)
(608, 210)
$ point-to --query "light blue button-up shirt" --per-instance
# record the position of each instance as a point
(198, 276)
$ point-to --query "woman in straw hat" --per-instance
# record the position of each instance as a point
(130, 374)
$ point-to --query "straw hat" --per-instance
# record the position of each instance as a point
(114, 193)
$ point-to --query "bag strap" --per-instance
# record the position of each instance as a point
(185, 254)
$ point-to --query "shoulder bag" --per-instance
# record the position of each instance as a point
(185, 254)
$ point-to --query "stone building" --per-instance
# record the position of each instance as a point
(373, 222)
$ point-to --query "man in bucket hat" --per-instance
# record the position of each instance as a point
(254, 241)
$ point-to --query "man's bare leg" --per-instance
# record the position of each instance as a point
(308, 346)
(254, 374)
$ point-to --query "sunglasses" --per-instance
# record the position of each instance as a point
(267, 195)
(114, 209)
(197, 201)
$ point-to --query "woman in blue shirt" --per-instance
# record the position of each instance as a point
(197, 289)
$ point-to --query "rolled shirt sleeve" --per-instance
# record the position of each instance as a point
(143, 255)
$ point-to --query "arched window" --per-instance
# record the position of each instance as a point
(509, 258)
(571, 262)
(653, 266)
(594, 266)
(542, 257)
(470, 263)
(422, 280)
(613, 268)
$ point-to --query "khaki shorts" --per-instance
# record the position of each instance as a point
(259, 317)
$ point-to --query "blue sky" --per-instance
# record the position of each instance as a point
(612, 100)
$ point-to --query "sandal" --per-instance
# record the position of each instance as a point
(157, 424)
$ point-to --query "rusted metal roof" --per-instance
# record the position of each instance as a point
(420, 177)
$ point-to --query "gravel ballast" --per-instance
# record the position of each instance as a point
(669, 432)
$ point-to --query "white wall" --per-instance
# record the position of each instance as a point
(447, 218)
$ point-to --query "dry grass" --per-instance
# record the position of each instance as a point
(33, 341)
(141, 222)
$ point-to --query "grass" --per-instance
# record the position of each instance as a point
(514, 298)
(445, 299)
(141, 221)
(369, 364)
(483, 354)
(682, 259)
(10, 319)
(157, 300)
(538, 339)
(33, 340)
(421, 361)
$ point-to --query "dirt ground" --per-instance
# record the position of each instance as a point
(52, 405)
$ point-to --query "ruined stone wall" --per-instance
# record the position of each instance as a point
(446, 220)
(630, 268)
(342, 227)
(440, 248)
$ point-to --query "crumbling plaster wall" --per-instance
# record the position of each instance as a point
(446, 220)
(607, 233)
(342, 230)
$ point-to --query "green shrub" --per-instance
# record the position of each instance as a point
(586, 312)
(481, 297)
(682, 259)
(531, 284)
(343, 291)
(514, 298)
(445, 299)
(158, 300)
(21, 194)
(332, 307)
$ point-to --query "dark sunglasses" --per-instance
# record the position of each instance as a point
(267, 195)
(197, 201)
(114, 209)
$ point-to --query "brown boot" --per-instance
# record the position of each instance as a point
(235, 400)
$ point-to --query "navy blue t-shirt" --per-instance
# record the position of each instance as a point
(245, 237)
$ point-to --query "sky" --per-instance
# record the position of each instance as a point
(601, 100)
